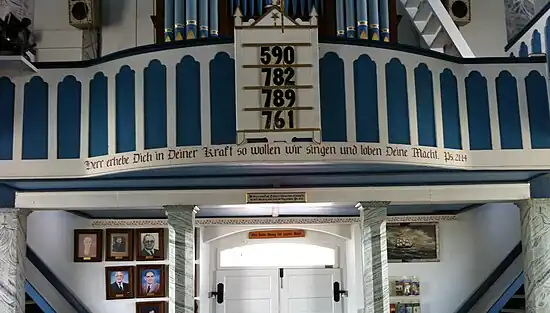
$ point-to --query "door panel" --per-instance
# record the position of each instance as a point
(300, 291)
(310, 291)
(249, 291)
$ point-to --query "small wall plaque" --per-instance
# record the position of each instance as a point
(276, 197)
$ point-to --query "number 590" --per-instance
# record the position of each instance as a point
(286, 55)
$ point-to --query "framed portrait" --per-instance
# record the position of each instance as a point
(149, 244)
(413, 242)
(151, 307)
(119, 282)
(120, 244)
(88, 245)
(151, 281)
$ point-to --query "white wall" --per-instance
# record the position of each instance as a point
(50, 235)
(470, 249)
(125, 24)
(486, 34)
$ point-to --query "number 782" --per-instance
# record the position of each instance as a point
(283, 102)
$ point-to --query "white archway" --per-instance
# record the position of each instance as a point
(278, 254)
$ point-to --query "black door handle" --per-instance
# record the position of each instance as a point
(336, 292)
(218, 293)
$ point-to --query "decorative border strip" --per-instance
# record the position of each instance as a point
(111, 223)
(150, 223)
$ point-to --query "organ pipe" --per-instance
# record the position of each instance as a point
(385, 20)
(203, 18)
(350, 18)
(214, 18)
(179, 19)
(191, 19)
(373, 20)
(168, 20)
(340, 28)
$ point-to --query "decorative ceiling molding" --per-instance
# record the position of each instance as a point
(150, 223)
(143, 223)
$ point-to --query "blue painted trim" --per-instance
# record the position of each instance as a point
(38, 299)
(491, 279)
(331, 40)
(55, 282)
(7, 98)
(525, 29)
(507, 295)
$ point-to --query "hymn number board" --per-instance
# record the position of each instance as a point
(277, 79)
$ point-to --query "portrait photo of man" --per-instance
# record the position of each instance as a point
(151, 284)
(120, 245)
(150, 245)
(87, 244)
(119, 280)
(152, 281)
(151, 307)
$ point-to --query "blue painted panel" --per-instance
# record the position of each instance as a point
(125, 110)
(333, 98)
(479, 120)
(38, 299)
(35, 120)
(508, 111)
(547, 43)
(365, 82)
(397, 103)
(425, 114)
(7, 99)
(536, 45)
(188, 102)
(523, 50)
(98, 134)
(69, 103)
(154, 105)
(223, 109)
(452, 139)
(539, 115)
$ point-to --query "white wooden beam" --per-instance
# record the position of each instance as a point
(148, 199)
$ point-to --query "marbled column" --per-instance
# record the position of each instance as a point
(13, 247)
(535, 239)
(181, 246)
(376, 288)
(518, 14)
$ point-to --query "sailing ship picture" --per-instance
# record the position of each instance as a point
(413, 242)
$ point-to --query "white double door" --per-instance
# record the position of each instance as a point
(279, 291)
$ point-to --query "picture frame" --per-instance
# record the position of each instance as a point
(119, 282)
(119, 244)
(412, 242)
(149, 244)
(151, 281)
(88, 245)
(152, 306)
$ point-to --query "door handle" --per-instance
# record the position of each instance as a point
(337, 293)
(218, 293)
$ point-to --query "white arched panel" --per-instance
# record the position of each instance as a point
(279, 254)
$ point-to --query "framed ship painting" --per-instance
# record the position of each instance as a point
(413, 242)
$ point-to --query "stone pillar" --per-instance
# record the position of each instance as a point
(181, 254)
(13, 248)
(376, 289)
(535, 239)
(518, 13)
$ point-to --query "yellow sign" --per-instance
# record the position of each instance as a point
(276, 197)
(277, 233)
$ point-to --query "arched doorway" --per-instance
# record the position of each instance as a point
(278, 275)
